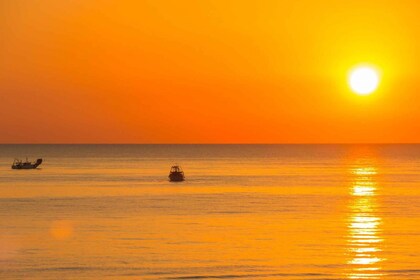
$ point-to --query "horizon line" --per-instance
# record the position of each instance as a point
(232, 143)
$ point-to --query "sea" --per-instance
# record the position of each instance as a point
(244, 212)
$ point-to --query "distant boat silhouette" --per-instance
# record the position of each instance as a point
(18, 164)
(176, 174)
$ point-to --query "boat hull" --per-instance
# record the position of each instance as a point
(25, 167)
(176, 177)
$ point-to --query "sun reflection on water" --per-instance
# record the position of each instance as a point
(364, 226)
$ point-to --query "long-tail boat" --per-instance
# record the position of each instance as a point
(176, 174)
(19, 164)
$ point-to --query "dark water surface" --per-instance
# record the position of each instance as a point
(245, 211)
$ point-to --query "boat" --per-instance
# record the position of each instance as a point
(176, 174)
(19, 164)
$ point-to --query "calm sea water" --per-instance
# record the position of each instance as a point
(245, 211)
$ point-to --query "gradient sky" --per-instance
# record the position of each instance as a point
(85, 71)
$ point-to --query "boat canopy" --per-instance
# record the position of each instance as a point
(176, 168)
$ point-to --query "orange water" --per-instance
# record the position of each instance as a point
(245, 211)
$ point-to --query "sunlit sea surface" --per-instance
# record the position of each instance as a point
(245, 211)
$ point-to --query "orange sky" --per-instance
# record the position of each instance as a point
(102, 71)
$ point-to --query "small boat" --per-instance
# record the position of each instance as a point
(18, 164)
(176, 174)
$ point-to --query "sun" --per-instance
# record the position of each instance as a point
(364, 80)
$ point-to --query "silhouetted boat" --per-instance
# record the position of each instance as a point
(18, 164)
(176, 174)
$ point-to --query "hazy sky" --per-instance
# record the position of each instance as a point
(80, 71)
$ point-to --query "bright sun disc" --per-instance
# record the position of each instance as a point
(363, 80)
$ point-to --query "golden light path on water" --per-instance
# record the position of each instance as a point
(364, 226)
